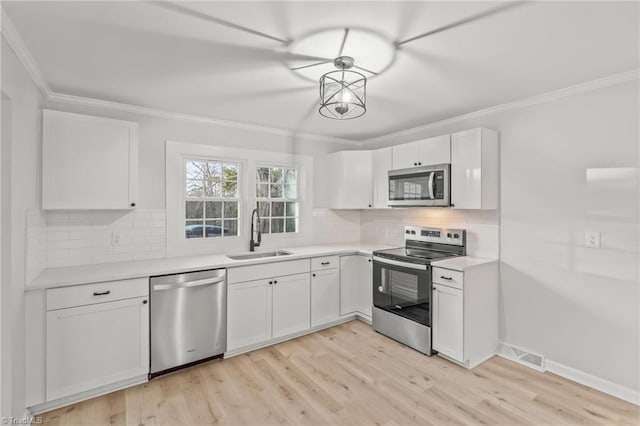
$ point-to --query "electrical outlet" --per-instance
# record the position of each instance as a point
(116, 236)
(592, 239)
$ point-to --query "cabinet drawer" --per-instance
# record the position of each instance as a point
(267, 270)
(326, 262)
(448, 277)
(79, 295)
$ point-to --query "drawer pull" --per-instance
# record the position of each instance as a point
(325, 263)
(446, 278)
(101, 293)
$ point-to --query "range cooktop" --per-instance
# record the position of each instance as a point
(425, 245)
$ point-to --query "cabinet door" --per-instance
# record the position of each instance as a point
(466, 169)
(325, 296)
(365, 292)
(96, 345)
(291, 304)
(356, 287)
(88, 162)
(435, 150)
(248, 313)
(381, 160)
(448, 322)
(349, 177)
(406, 155)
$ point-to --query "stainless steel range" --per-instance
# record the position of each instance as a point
(402, 283)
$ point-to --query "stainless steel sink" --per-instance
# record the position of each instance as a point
(259, 255)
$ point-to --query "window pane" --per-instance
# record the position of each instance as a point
(195, 170)
(262, 174)
(264, 208)
(212, 189)
(193, 210)
(194, 188)
(292, 209)
(230, 172)
(230, 209)
(276, 190)
(290, 177)
(213, 228)
(276, 175)
(277, 226)
(277, 209)
(291, 225)
(264, 226)
(214, 171)
(290, 191)
(230, 227)
(262, 190)
(193, 229)
(230, 189)
(213, 209)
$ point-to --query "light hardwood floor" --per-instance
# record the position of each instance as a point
(351, 375)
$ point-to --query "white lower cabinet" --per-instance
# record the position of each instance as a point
(248, 313)
(291, 304)
(447, 332)
(96, 345)
(465, 313)
(356, 276)
(325, 296)
(268, 308)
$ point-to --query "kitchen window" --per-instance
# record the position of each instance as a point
(212, 199)
(277, 199)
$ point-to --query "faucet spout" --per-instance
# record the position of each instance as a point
(253, 244)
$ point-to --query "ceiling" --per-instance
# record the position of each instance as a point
(189, 58)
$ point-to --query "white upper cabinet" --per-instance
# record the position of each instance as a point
(436, 150)
(88, 163)
(348, 174)
(475, 169)
(381, 164)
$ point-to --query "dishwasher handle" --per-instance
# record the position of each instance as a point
(188, 284)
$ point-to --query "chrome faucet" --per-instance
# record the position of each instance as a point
(252, 243)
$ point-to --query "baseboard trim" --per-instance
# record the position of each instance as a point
(272, 342)
(83, 396)
(594, 382)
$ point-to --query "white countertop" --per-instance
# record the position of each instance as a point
(73, 275)
(462, 263)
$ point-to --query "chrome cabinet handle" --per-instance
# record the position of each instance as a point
(380, 289)
(446, 278)
(101, 293)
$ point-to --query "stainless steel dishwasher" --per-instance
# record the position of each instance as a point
(188, 319)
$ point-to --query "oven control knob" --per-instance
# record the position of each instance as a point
(413, 232)
(456, 236)
(407, 232)
(449, 235)
(380, 289)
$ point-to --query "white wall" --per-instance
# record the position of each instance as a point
(569, 166)
(25, 154)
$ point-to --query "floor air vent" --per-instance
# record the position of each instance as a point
(522, 356)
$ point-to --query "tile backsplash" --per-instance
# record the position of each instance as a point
(335, 226)
(386, 226)
(66, 238)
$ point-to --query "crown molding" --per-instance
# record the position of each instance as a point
(588, 86)
(154, 112)
(16, 43)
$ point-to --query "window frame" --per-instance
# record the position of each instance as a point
(240, 199)
(298, 200)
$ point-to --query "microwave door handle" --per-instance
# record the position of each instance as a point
(430, 185)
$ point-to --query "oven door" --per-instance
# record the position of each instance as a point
(402, 288)
(420, 186)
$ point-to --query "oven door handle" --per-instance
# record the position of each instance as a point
(430, 186)
(398, 263)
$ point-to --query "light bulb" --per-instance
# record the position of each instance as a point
(344, 97)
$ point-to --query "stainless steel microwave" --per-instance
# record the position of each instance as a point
(425, 186)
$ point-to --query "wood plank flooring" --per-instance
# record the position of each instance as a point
(353, 376)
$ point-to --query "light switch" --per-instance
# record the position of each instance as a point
(116, 236)
(592, 239)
